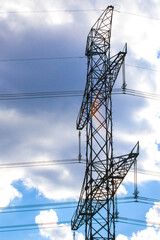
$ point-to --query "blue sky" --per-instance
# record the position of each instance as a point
(45, 129)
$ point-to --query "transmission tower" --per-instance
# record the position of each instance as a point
(104, 172)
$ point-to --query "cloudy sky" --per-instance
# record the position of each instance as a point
(42, 45)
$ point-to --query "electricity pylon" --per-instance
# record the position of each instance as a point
(104, 172)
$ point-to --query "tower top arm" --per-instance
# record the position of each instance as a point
(98, 40)
(100, 64)
(97, 50)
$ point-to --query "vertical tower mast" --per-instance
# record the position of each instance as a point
(104, 172)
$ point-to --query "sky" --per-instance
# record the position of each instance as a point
(33, 130)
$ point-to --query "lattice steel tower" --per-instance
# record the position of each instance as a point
(104, 172)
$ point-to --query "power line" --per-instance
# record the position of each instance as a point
(63, 58)
(35, 95)
(136, 224)
(61, 162)
(76, 93)
(75, 11)
(139, 222)
(53, 204)
(40, 59)
(40, 205)
(137, 15)
(148, 172)
(142, 94)
(67, 205)
(51, 11)
(139, 199)
(40, 163)
(145, 68)
(37, 209)
(24, 227)
(34, 226)
(149, 199)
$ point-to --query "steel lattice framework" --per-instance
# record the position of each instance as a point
(104, 172)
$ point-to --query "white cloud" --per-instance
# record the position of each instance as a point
(28, 19)
(122, 190)
(152, 219)
(56, 183)
(57, 231)
(121, 237)
(8, 192)
(47, 136)
(38, 139)
(153, 215)
(145, 123)
(147, 234)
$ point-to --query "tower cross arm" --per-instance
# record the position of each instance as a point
(114, 176)
(112, 71)
(122, 165)
(79, 215)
